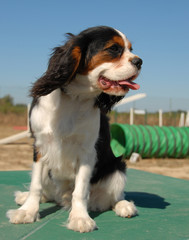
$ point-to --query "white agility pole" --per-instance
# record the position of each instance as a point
(18, 136)
(15, 137)
(181, 122)
(131, 99)
(187, 120)
(160, 118)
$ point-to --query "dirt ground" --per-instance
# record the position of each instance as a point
(18, 156)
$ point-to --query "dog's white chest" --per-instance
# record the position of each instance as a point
(67, 132)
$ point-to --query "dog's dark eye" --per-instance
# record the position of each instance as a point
(115, 49)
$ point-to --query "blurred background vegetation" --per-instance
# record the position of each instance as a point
(11, 113)
(7, 106)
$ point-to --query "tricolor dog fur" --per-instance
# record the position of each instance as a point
(74, 165)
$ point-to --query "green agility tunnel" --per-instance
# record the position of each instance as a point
(149, 141)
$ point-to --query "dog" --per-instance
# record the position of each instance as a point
(74, 165)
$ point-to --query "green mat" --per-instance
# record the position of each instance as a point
(162, 202)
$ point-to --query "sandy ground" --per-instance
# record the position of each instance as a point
(18, 156)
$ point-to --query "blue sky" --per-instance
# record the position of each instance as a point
(158, 30)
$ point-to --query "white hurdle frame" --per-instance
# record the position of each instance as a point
(18, 136)
(135, 111)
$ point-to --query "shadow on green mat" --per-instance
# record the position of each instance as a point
(147, 200)
(141, 199)
(50, 210)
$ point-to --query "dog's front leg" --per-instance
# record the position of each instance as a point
(79, 219)
(29, 211)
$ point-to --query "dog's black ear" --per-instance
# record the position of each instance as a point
(62, 68)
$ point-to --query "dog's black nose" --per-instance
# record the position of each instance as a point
(137, 62)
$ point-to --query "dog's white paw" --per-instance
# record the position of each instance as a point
(81, 224)
(125, 209)
(20, 197)
(22, 216)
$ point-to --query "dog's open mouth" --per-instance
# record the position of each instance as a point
(107, 84)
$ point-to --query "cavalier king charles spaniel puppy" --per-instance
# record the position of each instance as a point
(74, 165)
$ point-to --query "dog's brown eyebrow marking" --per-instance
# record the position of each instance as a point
(102, 57)
(115, 39)
(119, 40)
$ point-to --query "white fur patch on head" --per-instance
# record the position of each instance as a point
(122, 35)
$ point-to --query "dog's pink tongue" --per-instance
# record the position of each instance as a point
(106, 83)
(130, 84)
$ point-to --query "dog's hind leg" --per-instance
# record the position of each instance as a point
(109, 193)
(125, 209)
(21, 197)
(28, 212)
(122, 207)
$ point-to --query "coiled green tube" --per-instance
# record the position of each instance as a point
(150, 141)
